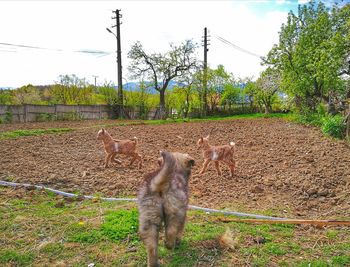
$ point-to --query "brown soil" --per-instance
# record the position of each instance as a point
(283, 168)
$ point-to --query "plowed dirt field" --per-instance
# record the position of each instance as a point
(283, 168)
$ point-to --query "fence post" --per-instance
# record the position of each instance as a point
(25, 112)
(55, 111)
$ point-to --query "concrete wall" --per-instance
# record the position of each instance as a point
(28, 113)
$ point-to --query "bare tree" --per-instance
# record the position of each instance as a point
(160, 69)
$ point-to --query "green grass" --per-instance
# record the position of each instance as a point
(36, 132)
(21, 133)
(41, 229)
(332, 126)
(14, 258)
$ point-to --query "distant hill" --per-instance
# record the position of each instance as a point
(135, 86)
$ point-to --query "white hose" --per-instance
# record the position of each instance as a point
(239, 214)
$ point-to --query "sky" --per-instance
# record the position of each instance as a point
(40, 40)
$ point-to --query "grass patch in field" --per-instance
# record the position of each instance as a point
(121, 224)
(118, 225)
(185, 120)
(15, 259)
(35, 132)
(36, 231)
(343, 260)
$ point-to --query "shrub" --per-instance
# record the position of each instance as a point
(70, 116)
(8, 117)
(45, 117)
(333, 126)
(310, 119)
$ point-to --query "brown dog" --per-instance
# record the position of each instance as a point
(163, 198)
(223, 153)
(114, 147)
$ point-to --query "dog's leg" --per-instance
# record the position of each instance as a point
(174, 226)
(217, 166)
(171, 232)
(150, 239)
(205, 165)
(180, 232)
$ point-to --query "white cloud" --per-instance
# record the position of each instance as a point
(76, 25)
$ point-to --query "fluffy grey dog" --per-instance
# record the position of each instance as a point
(163, 198)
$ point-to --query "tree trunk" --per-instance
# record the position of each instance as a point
(267, 109)
(187, 106)
(162, 111)
(267, 105)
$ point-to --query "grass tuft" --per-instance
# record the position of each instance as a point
(21, 133)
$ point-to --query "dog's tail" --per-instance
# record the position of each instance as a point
(233, 146)
(161, 181)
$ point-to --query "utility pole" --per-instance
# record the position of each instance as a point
(205, 74)
(95, 80)
(119, 59)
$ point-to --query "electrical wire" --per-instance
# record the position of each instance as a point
(236, 46)
(98, 53)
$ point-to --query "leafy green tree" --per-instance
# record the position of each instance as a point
(70, 89)
(5, 97)
(312, 53)
(27, 94)
(249, 91)
(230, 95)
(162, 68)
(266, 88)
(217, 80)
(109, 93)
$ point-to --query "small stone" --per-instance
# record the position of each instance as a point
(312, 191)
(257, 189)
(323, 193)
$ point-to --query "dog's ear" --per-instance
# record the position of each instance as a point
(164, 154)
(191, 162)
(160, 161)
(103, 130)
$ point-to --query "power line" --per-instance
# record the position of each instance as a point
(84, 51)
(236, 46)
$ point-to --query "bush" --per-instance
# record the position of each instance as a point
(70, 116)
(45, 117)
(314, 119)
(8, 117)
(333, 126)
